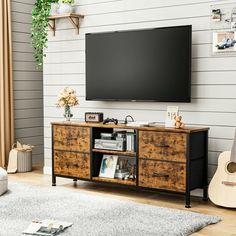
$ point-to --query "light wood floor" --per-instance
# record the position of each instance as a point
(227, 227)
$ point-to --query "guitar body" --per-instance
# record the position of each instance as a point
(222, 188)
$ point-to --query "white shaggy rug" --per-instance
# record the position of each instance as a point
(92, 215)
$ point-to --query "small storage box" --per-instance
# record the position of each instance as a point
(24, 161)
(24, 157)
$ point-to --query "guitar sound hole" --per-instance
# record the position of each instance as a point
(231, 167)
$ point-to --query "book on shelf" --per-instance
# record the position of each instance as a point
(108, 166)
(130, 142)
(46, 227)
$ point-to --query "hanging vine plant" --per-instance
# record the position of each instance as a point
(39, 30)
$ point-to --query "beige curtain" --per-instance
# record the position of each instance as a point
(6, 90)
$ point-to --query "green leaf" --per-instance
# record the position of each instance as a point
(39, 31)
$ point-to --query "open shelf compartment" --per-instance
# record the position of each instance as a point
(97, 158)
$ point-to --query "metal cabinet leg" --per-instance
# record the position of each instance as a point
(53, 180)
(187, 199)
(205, 193)
(75, 182)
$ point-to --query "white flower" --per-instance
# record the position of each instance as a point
(67, 97)
(69, 90)
(62, 103)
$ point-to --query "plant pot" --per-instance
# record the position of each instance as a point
(65, 8)
(54, 9)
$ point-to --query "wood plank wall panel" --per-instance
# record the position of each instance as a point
(213, 78)
(27, 81)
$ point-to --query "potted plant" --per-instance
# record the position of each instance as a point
(67, 98)
(66, 6)
(54, 7)
(39, 33)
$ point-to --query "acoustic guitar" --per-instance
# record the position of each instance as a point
(222, 188)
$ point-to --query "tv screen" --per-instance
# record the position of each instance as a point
(139, 65)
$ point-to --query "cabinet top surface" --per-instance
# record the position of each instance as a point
(161, 128)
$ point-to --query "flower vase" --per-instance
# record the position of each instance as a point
(54, 9)
(65, 8)
(67, 113)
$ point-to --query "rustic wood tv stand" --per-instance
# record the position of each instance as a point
(167, 159)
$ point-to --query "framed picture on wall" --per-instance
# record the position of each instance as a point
(224, 42)
(222, 15)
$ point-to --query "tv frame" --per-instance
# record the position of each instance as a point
(187, 100)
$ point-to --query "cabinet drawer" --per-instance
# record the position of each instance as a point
(71, 138)
(72, 164)
(162, 175)
(162, 145)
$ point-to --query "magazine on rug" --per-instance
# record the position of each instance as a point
(46, 227)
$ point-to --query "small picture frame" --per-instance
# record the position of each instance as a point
(223, 42)
(216, 15)
(108, 166)
(171, 112)
(222, 15)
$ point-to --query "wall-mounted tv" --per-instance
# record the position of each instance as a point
(139, 65)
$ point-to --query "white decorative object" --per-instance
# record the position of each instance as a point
(108, 166)
(65, 8)
(3, 181)
(172, 111)
(54, 9)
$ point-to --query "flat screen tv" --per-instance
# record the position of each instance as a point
(139, 65)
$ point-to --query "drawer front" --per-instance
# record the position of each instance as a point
(71, 138)
(162, 145)
(72, 164)
(162, 175)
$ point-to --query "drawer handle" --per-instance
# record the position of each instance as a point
(72, 138)
(155, 174)
(162, 145)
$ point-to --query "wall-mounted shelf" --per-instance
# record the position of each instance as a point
(73, 18)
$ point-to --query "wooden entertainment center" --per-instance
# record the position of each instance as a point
(167, 159)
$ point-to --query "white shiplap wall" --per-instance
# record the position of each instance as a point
(27, 81)
(213, 78)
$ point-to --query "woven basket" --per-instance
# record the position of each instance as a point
(24, 161)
